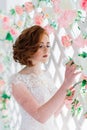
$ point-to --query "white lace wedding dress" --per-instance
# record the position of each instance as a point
(42, 88)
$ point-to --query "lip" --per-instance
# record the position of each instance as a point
(45, 56)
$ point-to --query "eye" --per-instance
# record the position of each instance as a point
(48, 46)
(41, 46)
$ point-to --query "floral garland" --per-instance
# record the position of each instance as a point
(51, 14)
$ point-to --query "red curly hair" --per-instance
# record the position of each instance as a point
(27, 44)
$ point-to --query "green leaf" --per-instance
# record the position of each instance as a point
(12, 11)
(75, 102)
(84, 82)
(5, 96)
(78, 27)
(9, 37)
(4, 105)
(84, 35)
(78, 110)
(73, 111)
(45, 1)
(23, 5)
(79, 12)
(77, 19)
(6, 59)
(70, 59)
(69, 93)
(4, 116)
(84, 90)
(84, 54)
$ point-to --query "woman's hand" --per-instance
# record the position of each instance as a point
(70, 73)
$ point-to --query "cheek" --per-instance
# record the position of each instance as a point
(49, 50)
(38, 54)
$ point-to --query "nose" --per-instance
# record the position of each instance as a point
(46, 49)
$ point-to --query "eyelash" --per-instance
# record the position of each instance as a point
(43, 46)
(48, 46)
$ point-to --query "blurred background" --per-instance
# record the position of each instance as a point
(66, 23)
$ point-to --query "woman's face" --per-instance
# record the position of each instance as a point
(43, 52)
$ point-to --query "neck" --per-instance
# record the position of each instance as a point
(34, 69)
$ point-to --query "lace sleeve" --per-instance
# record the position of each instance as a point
(17, 79)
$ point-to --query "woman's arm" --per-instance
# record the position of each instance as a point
(29, 103)
(57, 112)
(44, 112)
(68, 75)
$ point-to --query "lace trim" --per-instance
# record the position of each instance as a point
(32, 79)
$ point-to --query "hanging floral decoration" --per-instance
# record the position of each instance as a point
(50, 14)
(84, 5)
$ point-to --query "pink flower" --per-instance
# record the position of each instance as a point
(86, 87)
(1, 68)
(38, 18)
(54, 1)
(85, 42)
(19, 23)
(80, 42)
(66, 18)
(84, 77)
(66, 40)
(13, 31)
(6, 19)
(56, 5)
(19, 10)
(28, 6)
(77, 105)
(84, 5)
(85, 115)
(6, 26)
(69, 99)
(68, 103)
(49, 29)
(2, 82)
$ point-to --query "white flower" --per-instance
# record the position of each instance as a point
(81, 62)
(49, 13)
(67, 4)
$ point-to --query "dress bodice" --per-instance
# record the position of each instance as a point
(42, 88)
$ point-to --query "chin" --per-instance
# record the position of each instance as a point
(45, 61)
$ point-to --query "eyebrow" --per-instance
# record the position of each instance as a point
(43, 42)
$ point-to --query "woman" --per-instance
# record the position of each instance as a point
(32, 87)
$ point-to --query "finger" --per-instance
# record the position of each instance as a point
(77, 73)
(73, 65)
(72, 62)
(73, 68)
(69, 63)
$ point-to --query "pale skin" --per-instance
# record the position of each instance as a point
(43, 112)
